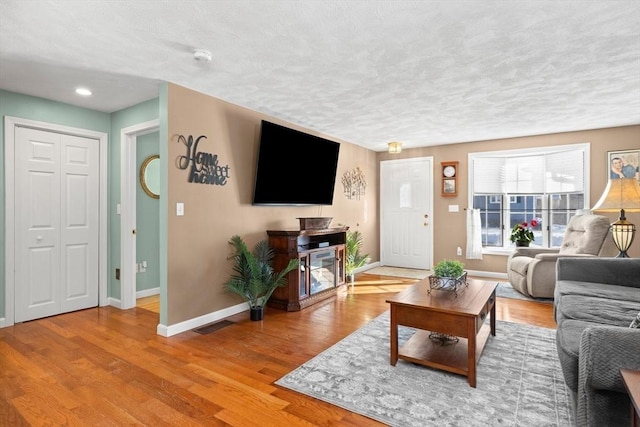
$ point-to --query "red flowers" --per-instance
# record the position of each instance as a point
(522, 233)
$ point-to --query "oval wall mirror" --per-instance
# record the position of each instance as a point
(150, 176)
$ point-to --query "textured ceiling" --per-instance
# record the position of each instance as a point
(369, 72)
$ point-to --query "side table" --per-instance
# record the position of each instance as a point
(631, 381)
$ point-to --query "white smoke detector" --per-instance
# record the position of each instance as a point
(202, 55)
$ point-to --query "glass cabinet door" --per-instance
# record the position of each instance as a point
(340, 267)
(322, 271)
(303, 274)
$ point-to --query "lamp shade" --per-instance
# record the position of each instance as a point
(621, 193)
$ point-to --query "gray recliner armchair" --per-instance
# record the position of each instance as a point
(532, 271)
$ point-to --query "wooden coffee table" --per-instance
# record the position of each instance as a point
(631, 381)
(443, 312)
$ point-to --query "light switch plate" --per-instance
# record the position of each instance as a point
(179, 209)
(454, 208)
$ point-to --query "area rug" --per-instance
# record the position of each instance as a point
(519, 381)
(505, 290)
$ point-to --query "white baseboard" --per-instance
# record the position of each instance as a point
(367, 267)
(489, 274)
(148, 292)
(477, 273)
(187, 325)
(2, 322)
(114, 302)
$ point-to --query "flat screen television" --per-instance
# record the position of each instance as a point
(294, 168)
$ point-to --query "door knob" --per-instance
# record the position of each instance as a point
(133, 231)
(39, 238)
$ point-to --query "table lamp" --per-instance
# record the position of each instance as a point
(621, 194)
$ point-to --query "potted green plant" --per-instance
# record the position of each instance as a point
(254, 278)
(353, 258)
(449, 275)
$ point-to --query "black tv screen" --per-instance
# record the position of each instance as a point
(294, 168)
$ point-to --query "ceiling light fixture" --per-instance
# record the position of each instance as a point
(395, 147)
(202, 55)
(83, 91)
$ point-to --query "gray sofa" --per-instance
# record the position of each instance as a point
(596, 299)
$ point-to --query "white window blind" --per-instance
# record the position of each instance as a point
(545, 172)
(525, 175)
(565, 171)
(488, 175)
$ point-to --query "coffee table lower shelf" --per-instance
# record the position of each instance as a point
(420, 349)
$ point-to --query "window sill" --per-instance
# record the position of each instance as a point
(497, 251)
(505, 251)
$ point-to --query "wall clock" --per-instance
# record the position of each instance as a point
(449, 179)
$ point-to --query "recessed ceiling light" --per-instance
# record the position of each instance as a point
(83, 91)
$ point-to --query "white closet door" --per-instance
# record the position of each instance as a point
(56, 211)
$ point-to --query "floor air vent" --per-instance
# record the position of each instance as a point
(207, 329)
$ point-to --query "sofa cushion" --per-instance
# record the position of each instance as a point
(598, 310)
(566, 287)
(584, 235)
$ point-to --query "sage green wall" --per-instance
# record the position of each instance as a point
(147, 219)
(44, 110)
(134, 115)
(32, 108)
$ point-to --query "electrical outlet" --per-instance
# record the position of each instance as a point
(459, 251)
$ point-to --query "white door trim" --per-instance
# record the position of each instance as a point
(10, 124)
(128, 182)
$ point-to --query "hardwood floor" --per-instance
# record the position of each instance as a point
(106, 366)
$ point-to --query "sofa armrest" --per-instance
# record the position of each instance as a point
(611, 271)
(604, 350)
(530, 252)
(601, 398)
(554, 257)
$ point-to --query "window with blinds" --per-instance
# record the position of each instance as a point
(510, 187)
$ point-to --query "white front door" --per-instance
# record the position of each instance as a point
(406, 205)
(56, 223)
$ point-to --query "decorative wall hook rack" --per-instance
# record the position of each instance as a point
(354, 183)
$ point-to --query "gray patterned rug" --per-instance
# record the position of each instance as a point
(519, 382)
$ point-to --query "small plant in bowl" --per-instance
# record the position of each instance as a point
(449, 268)
(448, 275)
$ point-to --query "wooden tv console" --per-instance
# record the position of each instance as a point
(321, 268)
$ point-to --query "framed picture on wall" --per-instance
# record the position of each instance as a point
(623, 164)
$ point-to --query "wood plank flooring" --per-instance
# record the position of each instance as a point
(106, 366)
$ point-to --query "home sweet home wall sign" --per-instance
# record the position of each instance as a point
(205, 167)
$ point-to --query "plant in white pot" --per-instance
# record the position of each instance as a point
(353, 258)
(254, 278)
